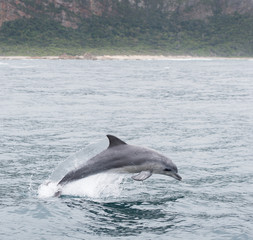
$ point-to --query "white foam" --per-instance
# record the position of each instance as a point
(47, 189)
(98, 186)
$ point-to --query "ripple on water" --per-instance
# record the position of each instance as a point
(199, 113)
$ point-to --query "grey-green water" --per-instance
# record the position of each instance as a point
(199, 113)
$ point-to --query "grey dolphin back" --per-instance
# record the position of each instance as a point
(114, 141)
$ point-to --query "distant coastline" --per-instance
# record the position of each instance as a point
(120, 57)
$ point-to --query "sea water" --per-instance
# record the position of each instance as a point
(55, 114)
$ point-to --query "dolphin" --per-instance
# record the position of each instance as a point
(124, 158)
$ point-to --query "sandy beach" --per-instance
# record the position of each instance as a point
(118, 57)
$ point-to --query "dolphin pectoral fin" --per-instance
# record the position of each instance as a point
(142, 176)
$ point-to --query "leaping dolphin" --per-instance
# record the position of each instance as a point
(124, 158)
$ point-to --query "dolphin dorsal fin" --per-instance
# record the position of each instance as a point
(114, 141)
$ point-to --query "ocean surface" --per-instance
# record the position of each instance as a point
(197, 112)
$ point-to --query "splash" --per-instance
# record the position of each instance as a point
(101, 185)
(47, 189)
(77, 159)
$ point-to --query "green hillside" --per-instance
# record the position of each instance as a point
(136, 32)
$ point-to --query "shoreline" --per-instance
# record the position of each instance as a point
(122, 57)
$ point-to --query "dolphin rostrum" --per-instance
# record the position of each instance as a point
(124, 158)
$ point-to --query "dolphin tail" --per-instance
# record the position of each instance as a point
(58, 193)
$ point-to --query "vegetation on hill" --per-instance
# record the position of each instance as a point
(220, 35)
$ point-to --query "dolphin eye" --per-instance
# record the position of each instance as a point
(167, 170)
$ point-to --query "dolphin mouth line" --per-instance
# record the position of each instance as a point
(176, 176)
